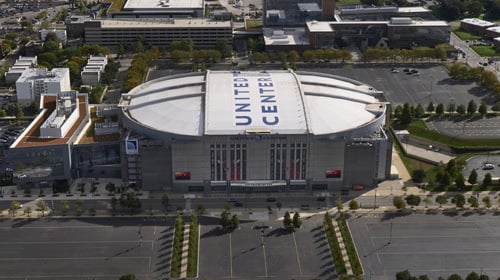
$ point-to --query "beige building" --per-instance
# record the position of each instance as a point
(158, 32)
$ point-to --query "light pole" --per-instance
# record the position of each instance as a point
(390, 235)
(375, 199)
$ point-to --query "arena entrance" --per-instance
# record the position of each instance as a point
(260, 186)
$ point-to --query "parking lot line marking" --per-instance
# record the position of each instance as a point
(72, 242)
(230, 256)
(69, 258)
(297, 253)
(264, 254)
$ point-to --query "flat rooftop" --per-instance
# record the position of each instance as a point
(477, 22)
(161, 5)
(31, 138)
(166, 23)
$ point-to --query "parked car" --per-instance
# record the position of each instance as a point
(488, 166)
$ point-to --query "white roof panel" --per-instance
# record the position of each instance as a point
(241, 101)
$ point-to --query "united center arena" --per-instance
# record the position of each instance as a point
(254, 131)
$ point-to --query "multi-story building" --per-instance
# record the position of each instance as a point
(63, 143)
(492, 32)
(21, 64)
(295, 13)
(475, 25)
(382, 13)
(74, 26)
(161, 9)
(92, 72)
(43, 151)
(396, 33)
(60, 34)
(34, 82)
(159, 32)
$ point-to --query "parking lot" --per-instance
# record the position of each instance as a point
(431, 84)
(478, 163)
(247, 253)
(97, 248)
(436, 245)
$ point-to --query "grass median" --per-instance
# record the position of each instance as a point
(349, 246)
(333, 243)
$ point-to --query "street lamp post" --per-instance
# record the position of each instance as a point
(390, 235)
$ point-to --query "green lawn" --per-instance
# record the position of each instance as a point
(418, 129)
(116, 5)
(347, 2)
(486, 50)
(463, 34)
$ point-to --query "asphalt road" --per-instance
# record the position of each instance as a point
(436, 245)
(248, 204)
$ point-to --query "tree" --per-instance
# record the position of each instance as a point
(222, 46)
(454, 277)
(13, 207)
(296, 220)
(482, 109)
(474, 203)
(165, 201)
(418, 175)
(65, 207)
(451, 107)
(430, 107)
(472, 276)
(440, 109)
(472, 177)
(427, 200)
(28, 211)
(441, 199)
(398, 202)
(460, 181)
(128, 277)
(487, 201)
(419, 111)
(413, 200)
(200, 209)
(339, 204)
(461, 109)
(471, 107)
(406, 115)
(287, 220)
(459, 200)
(121, 50)
(129, 201)
(403, 275)
(353, 205)
(78, 207)
(114, 204)
(42, 205)
(235, 222)
(224, 220)
(250, 44)
(138, 46)
(487, 180)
